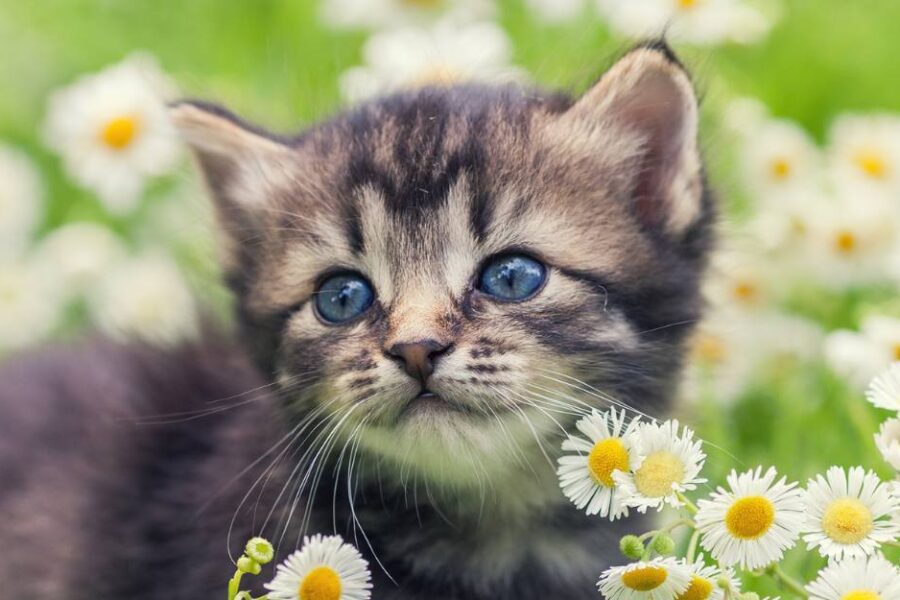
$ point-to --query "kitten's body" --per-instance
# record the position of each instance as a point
(118, 486)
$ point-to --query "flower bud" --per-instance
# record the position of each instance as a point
(260, 550)
(631, 546)
(245, 564)
(664, 544)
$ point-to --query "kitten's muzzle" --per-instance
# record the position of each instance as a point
(419, 358)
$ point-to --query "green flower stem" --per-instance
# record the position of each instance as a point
(787, 581)
(692, 546)
(692, 508)
(234, 584)
(667, 529)
(657, 532)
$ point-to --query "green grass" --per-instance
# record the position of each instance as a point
(272, 62)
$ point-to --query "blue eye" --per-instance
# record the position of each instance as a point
(512, 277)
(343, 297)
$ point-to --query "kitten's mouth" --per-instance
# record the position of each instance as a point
(428, 401)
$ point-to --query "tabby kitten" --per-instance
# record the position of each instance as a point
(431, 287)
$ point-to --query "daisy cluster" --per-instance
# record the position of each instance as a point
(819, 226)
(434, 42)
(324, 568)
(113, 137)
(616, 464)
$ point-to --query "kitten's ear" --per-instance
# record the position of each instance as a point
(242, 165)
(648, 95)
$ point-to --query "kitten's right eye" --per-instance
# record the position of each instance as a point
(343, 297)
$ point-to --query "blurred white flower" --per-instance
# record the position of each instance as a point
(443, 54)
(740, 279)
(728, 348)
(864, 152)
(30, 305)
(78, 255)
(850, 242)
(744, 115)
(21, 201)
(145, 298)
(860, 356)
(778, 157)
(112, 130)
(378, 14)
(888, 442)
(556, 11)
(694, 21)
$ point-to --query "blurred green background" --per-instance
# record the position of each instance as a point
(273, 62)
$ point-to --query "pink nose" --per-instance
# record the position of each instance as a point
(419, 357)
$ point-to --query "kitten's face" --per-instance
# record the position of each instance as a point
(455, 270)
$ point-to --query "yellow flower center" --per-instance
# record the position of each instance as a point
(896, 351)
(700, 589)
(644, 579)
(709, 349)
(861, 595)
(847, 521)
(607, 456)
(118, 133)
(750, 517)
(322, 583)
(845, 242)
(745, 291)
(686, 4)
(872, 164)
(659, 471)
(781, 169)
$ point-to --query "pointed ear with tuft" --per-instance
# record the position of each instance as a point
(242, 165)
(648, 96)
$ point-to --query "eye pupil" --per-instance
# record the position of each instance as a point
(341, 298)
(512, 277)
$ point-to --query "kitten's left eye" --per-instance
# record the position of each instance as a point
(343, 297)
(512, 277)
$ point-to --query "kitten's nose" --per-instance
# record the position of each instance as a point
(419, 357)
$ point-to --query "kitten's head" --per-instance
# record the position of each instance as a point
(447, 271)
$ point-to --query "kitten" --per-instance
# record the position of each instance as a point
(431, 287)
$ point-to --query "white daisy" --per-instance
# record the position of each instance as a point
(861, 356)
(21, 201)
(379, 14)
(658, 579)
(778, 157)
(147, 298)
(30, 305)
(704, 583)
(754, 522)
(872, 578)
(884, 390)
(78, 255)
(586, 473)
(743, 116)
(730, 347)
(112, 130)
(740, 280)
(850, 242)
(670, 462)
(443, 54)
(864, 152)
(694, 21)
(848, 513)
(325, 568)
(888, 442)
